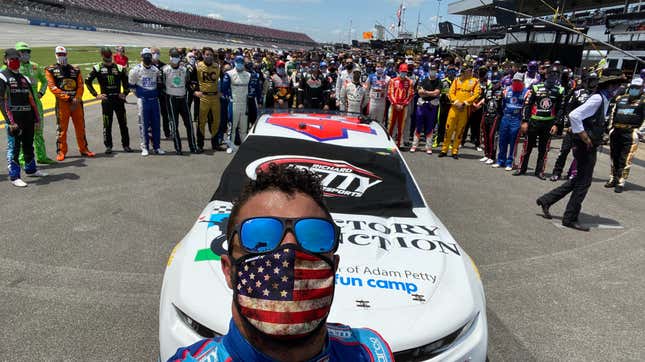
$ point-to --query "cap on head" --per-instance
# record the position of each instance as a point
(239, 59)
(60, 50)
(279, 64)
(519, 76)
(323, 65)
(21, 45)
(174, 53)
(403, 68)
(636, 82)
(146, 51)
(11, 53)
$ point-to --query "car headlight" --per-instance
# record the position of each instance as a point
(196, 326)
(435, 348)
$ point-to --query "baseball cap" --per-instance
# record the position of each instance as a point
(21, 45)
(146, 51)
(60, 49)
(636, 82)
(239, 59)
(403, 67)
(106, 51)
(11, 53)
(519, 76)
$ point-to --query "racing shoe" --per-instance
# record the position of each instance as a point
(442, 154)
(545, 209)
(508, 168)
(144, 152)
(38, 173)
(45, 161)
(108, 151)
(159, 151)
(428, 151)
(555, 178)
(60, 157)
(88, 153)
(496, 165)
(19, 183)
(483, 159)
(479, 149)
(619, 188)
(127, 149)
(490, 161)
(413, 149)
(611, 183)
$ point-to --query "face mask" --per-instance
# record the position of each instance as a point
(264, 288)
(147, 59)
(208, 60)
(25, 57)
(107, 60)
(61, 59)
(432, 74)
(403, 75)
(156, 56)
(517, 86)
(13, 64)
(356, 78)
(349, 66)
(280, 71)
(239, 67)
(174, 60)
(249, 67)
(634, 92)
(380, 71)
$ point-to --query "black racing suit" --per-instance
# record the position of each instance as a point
(578, 97)
(330, 93)
(18, 107)
(313, 95)
(163, 106)
(626, 118)
(494, 97)
(542, 108)
(113, 81)
(191, 99)
(254, 98)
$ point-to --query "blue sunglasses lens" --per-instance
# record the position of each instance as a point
(260, 235)
(315, 235)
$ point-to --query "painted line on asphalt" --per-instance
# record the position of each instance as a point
(51, 111)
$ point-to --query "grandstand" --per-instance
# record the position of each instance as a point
(142, 16)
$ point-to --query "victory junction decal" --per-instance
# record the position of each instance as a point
(338, 178)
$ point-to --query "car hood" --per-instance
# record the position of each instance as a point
(404, 277)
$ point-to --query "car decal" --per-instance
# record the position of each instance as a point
(206, 255)
(320, 129)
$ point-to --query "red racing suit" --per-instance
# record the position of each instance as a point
(400, 92)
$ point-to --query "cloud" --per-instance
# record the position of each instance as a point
(251, 14)
(294, 1)
(407, 3)
(214, 15)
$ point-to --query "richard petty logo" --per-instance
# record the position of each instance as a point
(338, 178)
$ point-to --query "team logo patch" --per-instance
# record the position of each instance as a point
(546, 103)
(338, 178)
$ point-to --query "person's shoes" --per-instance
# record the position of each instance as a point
(159, 151)
(435, 144)
(229, 150)
(455, 156)
(483, 159)
(144, 152)
(428, 151)
(575, 225)
(479, 149)
(127, 149)
(442, 154)
(178, 152)
(88, 154)
(508, 168)
(222, 147)
(489, 161)
(540, 176)
(60, 157)
(545, 209)
(519, 173)
(38, 173)
(618, 189)
(199, 150)
(611, 183)
(496, 165)
(108, 150)
(45, 161)
(413, 149)
(19, 183)
(555, 178)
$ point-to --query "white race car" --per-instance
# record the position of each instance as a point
(401, 273)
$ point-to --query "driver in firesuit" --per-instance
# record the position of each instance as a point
(626, 118)
(544, 105)
(512, 104)
(400, 92)
(493, 98)
(377, 83)
(314, 86)
(205, 82)
(463, 92)
(235, 85)
(353, 96)
(280, 86)
(66, 83)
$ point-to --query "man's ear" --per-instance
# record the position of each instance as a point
(227, 266)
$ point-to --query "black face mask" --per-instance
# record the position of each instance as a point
(107, 60)
(147, 59)
(349, 67)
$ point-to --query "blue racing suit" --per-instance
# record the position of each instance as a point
(254, 100)
(343, 344)
(145, 81)
(512, 104)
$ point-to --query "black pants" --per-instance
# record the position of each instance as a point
(441, 124)
(474, 124)
(110, 106)
(489, 126)
(539, 131)
(567, 143)
(163, 109)
(578, 186)
(251, 110)
(192, 101)
(177, 106)
(623, 144)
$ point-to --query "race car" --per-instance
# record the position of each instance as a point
(401, 273)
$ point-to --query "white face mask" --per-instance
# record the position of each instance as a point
(156, 56)
(191, 60)
(61, 59)
(174, 60)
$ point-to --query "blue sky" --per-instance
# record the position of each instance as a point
(323, 20)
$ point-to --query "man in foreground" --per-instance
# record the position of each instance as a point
(280, 222)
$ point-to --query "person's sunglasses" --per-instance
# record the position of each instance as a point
(26, 51)
(264, 234)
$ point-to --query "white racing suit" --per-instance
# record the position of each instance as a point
(236, 85)
(377, 88)
(353, 98)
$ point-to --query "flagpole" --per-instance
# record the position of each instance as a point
(350, 32)
(418, 22)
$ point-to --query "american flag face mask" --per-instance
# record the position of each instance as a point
(286, 293)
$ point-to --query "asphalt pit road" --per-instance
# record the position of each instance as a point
(14, 283)
(592, 221)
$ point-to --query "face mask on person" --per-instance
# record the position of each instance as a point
(432, 74)
(239, 67)
(280, 71)
(634, 92)
(107, 60)
(146, 59)
(25, 57)
(403, 75)
(517, 86)
(380, 71)
(551, 80)
(13, 64)
(156, 56)
(191, 60)
(175, 60)
(356, 78)
(248, 298)
(349, 67)
(208, 59)
(61, 59)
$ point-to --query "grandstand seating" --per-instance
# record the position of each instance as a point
(135, 15)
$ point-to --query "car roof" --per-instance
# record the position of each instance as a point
(330, 128)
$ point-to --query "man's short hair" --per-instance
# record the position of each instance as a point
(288, 180)
(204, 49)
